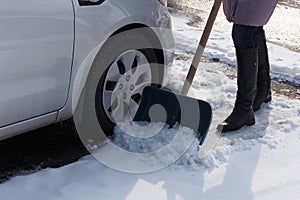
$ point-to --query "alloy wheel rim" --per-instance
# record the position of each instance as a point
(125, 80)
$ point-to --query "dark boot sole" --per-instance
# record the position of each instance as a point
(224, 130)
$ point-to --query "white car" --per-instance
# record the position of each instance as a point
(51, 49)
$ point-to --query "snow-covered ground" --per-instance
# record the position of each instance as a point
(283, 27)
(285, 64)
(257, 162)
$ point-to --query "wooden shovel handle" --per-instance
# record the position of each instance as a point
(205, 35)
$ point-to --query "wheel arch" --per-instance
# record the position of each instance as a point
(158, 51)
(67, 111)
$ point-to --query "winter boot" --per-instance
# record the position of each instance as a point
(263, 91)
(242, 113)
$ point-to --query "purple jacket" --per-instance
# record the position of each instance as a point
(249, 12)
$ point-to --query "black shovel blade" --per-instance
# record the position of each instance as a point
(189, 112)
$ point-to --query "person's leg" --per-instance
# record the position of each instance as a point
(263, 92)
(244, 36)
(247, 59)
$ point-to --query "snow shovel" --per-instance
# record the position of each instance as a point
(187, 111)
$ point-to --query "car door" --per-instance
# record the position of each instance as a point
(36, 48)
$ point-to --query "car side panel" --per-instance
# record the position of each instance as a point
(36, 48)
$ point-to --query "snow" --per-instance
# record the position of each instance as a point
(257, 162)
(283, 27)
(285, 64)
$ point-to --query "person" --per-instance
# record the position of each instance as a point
(253, 70)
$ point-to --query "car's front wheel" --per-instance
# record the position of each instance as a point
(126, 64)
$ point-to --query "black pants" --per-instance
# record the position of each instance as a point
(244, 36)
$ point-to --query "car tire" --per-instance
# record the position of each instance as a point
(142, 43)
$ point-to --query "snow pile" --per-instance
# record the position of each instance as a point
(149, 139)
